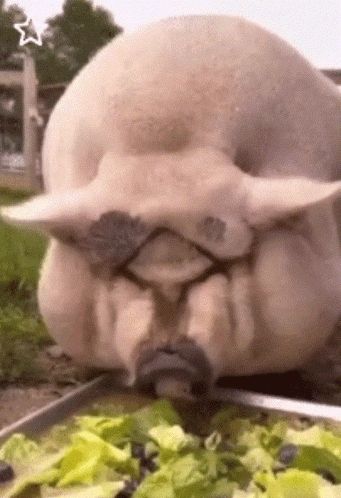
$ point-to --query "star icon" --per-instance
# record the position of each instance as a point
(25, 34)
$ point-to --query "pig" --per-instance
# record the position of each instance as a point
(192, 178)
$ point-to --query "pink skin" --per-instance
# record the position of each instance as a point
(174, 140)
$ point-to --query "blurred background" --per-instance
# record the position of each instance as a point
(73, 30)
(32, 79)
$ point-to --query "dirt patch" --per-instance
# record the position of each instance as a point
(58, 377)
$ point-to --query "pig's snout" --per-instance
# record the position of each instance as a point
(175, 371)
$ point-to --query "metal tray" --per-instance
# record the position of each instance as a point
(57, 411)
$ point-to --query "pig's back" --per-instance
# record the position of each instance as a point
(184, 81)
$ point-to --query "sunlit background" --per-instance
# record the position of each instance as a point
(312, 26)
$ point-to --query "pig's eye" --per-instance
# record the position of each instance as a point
(113, 239)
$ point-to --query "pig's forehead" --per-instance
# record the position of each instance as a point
(188, 171)
(179, 194)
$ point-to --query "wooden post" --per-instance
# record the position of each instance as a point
(30, 124)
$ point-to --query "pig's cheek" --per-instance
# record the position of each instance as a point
(129, 311)
(65, 293)
(291, 298)
(208, 320)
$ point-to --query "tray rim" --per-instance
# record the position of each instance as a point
(55, 412)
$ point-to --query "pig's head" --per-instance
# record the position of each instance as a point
(181, 265)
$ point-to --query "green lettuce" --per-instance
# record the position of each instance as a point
(87, 460)
(173, 439)
(330, 492)
(191, 476)
(19, 449)
(160, 412)
(243, 457)
(315, 436)
(115, 430)
(317, 460)
(89, 457)
(39, 471)
(104, 490)
(239, 493)
(295, 483)
(257, 459)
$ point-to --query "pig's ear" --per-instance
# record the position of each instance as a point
(61, 215)
(271, 199)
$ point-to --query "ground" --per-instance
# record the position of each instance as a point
(29, 376)
(58, 376)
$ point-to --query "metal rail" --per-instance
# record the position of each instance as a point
(278, 404)
(57, 411)
(53, 413)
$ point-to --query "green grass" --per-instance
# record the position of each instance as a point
(22, 331)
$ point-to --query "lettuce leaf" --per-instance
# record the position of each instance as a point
(317, 460)
(40, 471)
(179, 478)
(173, 438)
(240, 459)
(224, 488)
(115, 430)
(86, 460)
(104, 490)
(199, 474)
(239, 493)
(330, 492)
(160, 412)
(257, 459)
(315, 436)
(19, 449)
(89, 457)
(295, 483)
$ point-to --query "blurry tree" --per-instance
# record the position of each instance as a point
(9, 37)
(71, 39)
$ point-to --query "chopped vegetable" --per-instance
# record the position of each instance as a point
(18, 449)
(149, 454)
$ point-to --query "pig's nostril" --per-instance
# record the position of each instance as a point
(167, 350)
(199, 388)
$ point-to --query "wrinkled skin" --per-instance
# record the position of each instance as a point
(191, 174)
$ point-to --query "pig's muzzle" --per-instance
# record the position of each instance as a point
(175, 371)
